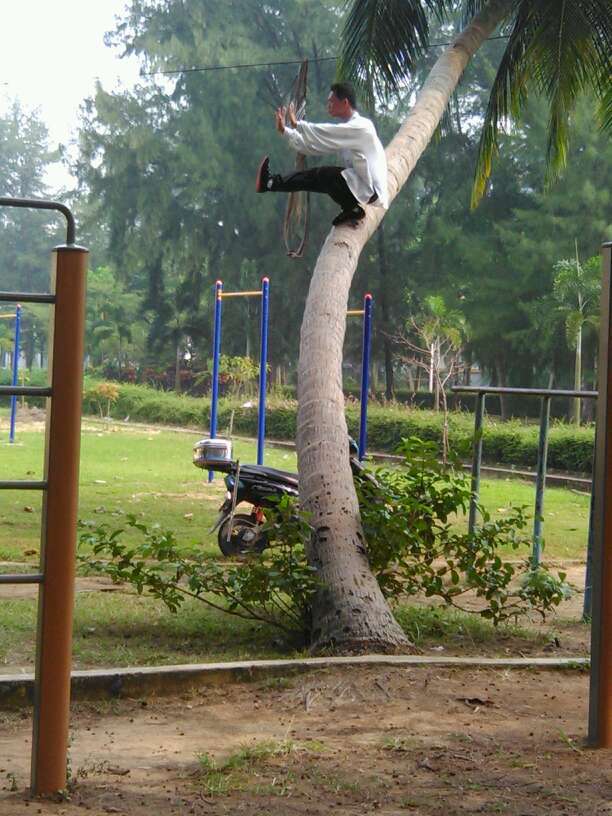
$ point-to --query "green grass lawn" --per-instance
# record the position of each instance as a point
(131, 471)
(134, 470)
(150, 473)
(125, 629)
(566, 514)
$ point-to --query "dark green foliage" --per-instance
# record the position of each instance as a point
(168, 167)
(413, 549)
(26, 236)
(559, 50)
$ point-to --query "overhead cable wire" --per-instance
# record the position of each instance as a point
(203, 68)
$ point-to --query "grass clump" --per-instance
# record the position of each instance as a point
(242, 769)
(431, 625)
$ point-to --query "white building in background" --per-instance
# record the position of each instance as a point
(6, 360)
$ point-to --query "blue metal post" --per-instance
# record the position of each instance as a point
(263, 365)
(16, 352)
(536, 553)
(215, 372)
(476, 460)
(365, 374)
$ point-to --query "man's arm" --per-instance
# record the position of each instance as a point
(314, 139)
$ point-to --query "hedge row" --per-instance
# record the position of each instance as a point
(508, 443)
(527, 407)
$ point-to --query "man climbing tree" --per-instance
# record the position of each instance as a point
(364, 178)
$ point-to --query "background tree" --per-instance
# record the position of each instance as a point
(440, 334)
(502, 252)
(115, 334)
(26, 236)
(165, 167)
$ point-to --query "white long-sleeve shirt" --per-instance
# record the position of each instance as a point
(360, 148)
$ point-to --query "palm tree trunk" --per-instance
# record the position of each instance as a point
(350, 612)
(177, 369)
(500, 380)
(578, 375)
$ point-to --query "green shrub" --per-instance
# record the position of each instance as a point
(36, 377)
(413, 548)
(275, 587)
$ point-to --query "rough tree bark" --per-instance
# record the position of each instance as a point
(350, 612)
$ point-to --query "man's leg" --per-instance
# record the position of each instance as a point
(328, 180)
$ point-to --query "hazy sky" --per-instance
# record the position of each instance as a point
(51, 52)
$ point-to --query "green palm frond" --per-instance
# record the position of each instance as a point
(382, 40)
(605, 103)
(560, 48)
(471, 8)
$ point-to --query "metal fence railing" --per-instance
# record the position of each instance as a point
(546, 395)
(599, 557)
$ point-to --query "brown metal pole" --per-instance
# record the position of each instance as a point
(58, 540)
(600, 700)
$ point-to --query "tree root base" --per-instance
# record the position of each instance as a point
(352, 647)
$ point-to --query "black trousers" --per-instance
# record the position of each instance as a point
(327, 180)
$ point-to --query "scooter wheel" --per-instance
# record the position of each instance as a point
(245, 537)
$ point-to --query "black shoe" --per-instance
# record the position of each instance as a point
(263, 175)
(352, 217)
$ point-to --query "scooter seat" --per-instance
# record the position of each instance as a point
(263, 472)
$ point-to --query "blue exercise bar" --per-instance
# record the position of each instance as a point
(264, 294)
(366, 312)
(263, 365)
(16, 352)
(215, 372)
(365, 374)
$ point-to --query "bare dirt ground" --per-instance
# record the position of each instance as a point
(437, 742)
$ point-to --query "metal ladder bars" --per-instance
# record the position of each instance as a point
(60, 491)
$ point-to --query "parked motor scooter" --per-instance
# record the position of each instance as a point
(262, 487)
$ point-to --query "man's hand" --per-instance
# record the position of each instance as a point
(281, 114)
(280, 119)
(291, 115)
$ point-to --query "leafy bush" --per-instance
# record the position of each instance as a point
(413, 549)
(105, 394)
(275, 587)
(38, 377)
(239, 374)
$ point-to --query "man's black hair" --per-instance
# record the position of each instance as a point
(344, 90)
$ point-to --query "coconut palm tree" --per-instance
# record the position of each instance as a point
(557, 47)
(577, 289)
